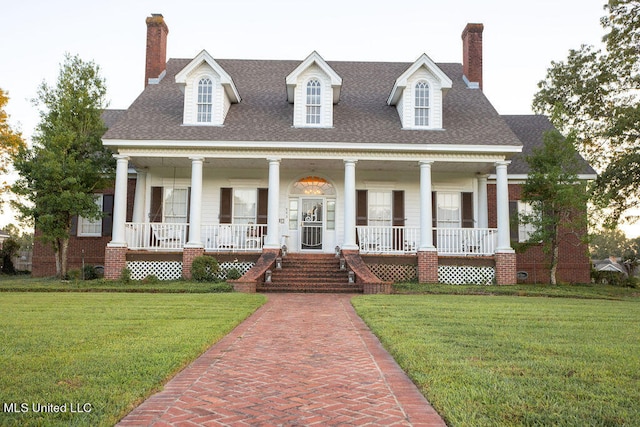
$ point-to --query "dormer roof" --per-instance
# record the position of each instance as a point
(423, 61)
(225, 79)
(314, 58)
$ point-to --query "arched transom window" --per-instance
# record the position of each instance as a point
(313, 102)
(205, 100)
(313, 185)
(421, 104)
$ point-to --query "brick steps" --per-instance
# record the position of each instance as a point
(310, 273)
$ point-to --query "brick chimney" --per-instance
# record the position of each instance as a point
(472, 54)
(156, 59)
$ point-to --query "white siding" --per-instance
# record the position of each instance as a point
(221, 102)
(435, 100)
(300, 98)
(216, 178)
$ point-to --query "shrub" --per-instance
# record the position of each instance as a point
(151, 279)
(90, 272)
(233, 274)
(74, 275)
(125, 276)
(205, 269)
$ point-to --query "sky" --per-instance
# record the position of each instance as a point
(520, 39)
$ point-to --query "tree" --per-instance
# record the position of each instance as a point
(594, 96)
(557, 199)
(68, 163)
(608, 242)
(10, 142)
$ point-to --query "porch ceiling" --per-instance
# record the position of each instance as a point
(313, 164)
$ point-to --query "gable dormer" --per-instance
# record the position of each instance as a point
(208, 91)
(418, 95)
(313, 88)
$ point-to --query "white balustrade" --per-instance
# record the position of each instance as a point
(388, 240)
(155, 235)
(216, 238)
(448, 241)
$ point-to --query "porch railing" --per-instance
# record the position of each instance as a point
(388, 240)
(233, 237)
(156, 235)
(216, 237)
(448, 241)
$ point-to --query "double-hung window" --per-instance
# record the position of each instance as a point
(379, 208)
(526, 210)
(313, 102)
(244, 205)
(87, 227)
(175, 205)
(421, 104)
(205, 100)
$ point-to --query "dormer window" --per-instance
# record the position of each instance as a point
(418, 95)
(313, 88)
(421, 104)
(314, 102)
(205, 100)
(208, 91)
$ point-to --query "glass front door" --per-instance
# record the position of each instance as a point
(311, 223)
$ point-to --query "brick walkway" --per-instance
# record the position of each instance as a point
(300, 360)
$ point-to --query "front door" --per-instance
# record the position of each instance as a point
(311, 223)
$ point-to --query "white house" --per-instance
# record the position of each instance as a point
(363, 158)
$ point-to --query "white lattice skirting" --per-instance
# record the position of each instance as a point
(163, 270)
(242, 268)
(172, 270)
(466, 275)
(394, 273)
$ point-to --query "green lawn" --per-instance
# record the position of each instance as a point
(505, 361)
(107, 350)
(49, 284)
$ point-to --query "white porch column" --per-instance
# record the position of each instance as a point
(195, 216)
(426, 210)
(483, 211)
(120, 202)
(349, 242)
(140, 196)
(502, 207)
(273, 205)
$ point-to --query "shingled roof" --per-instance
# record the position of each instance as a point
(530, 129)
(361, 116)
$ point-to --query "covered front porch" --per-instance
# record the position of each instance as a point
(208, 203)
(379, 240)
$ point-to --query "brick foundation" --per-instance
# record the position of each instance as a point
(506, 268)
(247, 287)
(115, 260)
(377, 288)
(188, 255)
(428, 267)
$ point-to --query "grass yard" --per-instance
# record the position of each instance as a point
(102, 353)
(50, 284)
(508, 361)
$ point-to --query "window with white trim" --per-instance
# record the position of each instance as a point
(175, 205)
(379, 208)
(245, 202)
(205, 100)
(91, 228)
(448, 209)
(421, 104)
(525, 229)
(314, 102)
